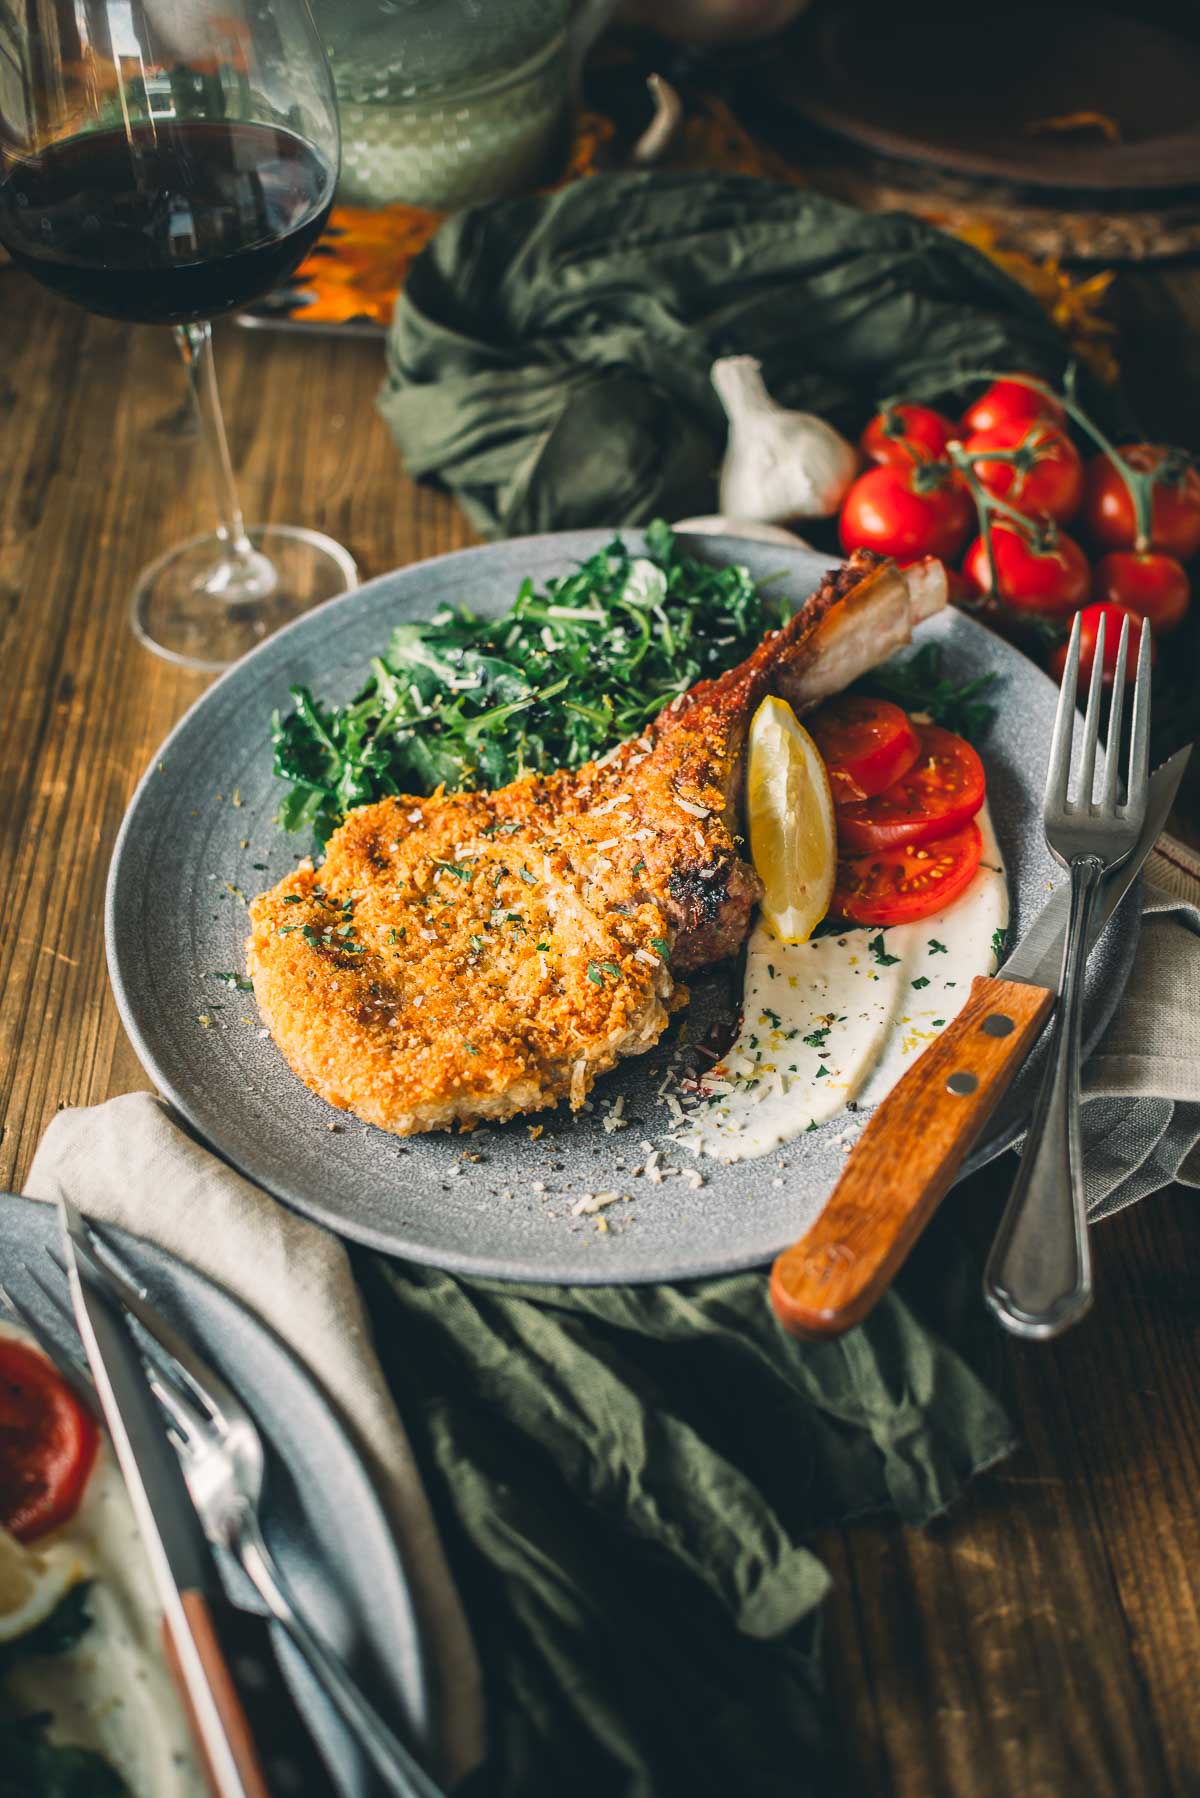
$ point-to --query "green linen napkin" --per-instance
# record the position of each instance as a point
(549, 356)
(626, 1480)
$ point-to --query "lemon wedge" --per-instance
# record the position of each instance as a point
(789, 808)
(32, 1582)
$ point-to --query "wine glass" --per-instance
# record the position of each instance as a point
(163, 161)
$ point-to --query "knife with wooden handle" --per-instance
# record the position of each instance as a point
(252, 1740)
(912, 1150)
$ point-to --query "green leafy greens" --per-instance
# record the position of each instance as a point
(557, 679)
(919, 685)
(66, 1625)
(29, 1763)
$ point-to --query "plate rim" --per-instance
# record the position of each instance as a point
(464, 1262)
(422, 1701)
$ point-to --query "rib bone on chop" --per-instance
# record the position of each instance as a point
(474, 955)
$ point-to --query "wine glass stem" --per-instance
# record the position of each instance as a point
(195, 346)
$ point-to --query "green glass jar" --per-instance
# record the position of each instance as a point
(446, 102)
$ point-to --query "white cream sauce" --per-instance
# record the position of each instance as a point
(837, 1020)
(112, 1692)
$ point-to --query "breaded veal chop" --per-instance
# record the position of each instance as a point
(474, 955)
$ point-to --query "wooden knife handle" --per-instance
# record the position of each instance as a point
(270, 1746)
(906, 1160)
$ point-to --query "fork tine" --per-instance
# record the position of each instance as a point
(1116, 714)
(162, 1373)
(1091, 724)
(174, 1357)
(187, 1424)
(1059, 770)
(1139, 733)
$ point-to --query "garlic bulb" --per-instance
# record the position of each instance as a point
(778, 465)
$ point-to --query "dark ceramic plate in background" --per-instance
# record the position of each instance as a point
(320, 1513)
(975, 91)
(187, 854)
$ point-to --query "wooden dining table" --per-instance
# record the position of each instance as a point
(1043, 1639)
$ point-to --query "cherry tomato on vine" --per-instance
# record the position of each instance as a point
(908, 881)
(865, 745)
(1108, 504)
(1051, 487)
(1008, 399)
(48, 1442)
(906, 513)
(1089, 627)
(1152, 585)
(940, 792)
(1055, 581)
(901, 433)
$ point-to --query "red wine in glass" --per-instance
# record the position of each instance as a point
(162, 164)
(166, 223)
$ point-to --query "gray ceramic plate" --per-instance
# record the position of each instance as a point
(319, 1498)
(200, 834)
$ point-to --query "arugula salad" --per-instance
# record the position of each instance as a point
(561, 676)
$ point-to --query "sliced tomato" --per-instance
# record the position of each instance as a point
(908, 881)
(47, 1443)
(865, 745)
(944, 787)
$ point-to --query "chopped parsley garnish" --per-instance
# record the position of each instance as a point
(660, 944)
(999, 944)
(285, 929)
(529, 879)
(882, 958)
(821, 1073)
(239, 980)
(292, 899)
(810, 1126)
(919, 685)
(772, 1017)
(470, 1047)
(817, 1039)
(596, 970)
(475, 702)
(936, 948)
(938, 1023)
(920, 981)
(459, 870)
(638, 867)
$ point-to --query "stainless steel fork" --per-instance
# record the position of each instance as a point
(1038, 1278)
(221, 1453)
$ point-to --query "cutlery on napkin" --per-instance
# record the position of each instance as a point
(918, 1138)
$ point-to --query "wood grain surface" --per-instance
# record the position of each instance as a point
(1044, 1640)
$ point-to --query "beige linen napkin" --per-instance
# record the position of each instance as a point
(1141, 1113)
(129, 1163)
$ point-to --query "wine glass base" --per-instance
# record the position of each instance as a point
(203, 606)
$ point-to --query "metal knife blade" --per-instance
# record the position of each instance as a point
(175, 1546)
(1037, 958)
